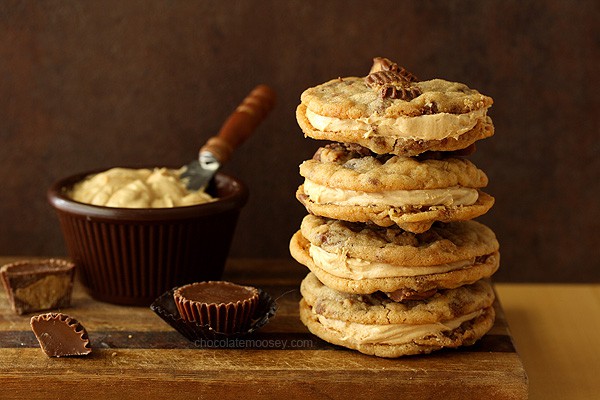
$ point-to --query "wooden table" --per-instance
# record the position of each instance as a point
(137, 355)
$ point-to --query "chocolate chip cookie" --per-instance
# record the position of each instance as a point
(351, 183)
(363, 259)
(390, 111)
(377, 325)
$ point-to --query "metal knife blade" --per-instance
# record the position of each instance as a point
(234, 131)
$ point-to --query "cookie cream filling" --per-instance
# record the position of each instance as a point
(342, 266)
(452, 196)
(423, 127)
(392, 334)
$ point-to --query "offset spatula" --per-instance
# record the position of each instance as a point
(234, 131)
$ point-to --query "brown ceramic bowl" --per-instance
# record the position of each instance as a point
(131, 256)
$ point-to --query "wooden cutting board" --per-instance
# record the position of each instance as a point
(137, 355)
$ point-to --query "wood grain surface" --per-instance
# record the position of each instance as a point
(135, 354)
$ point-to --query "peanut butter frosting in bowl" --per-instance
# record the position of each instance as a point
(137, 188)
(135, 233)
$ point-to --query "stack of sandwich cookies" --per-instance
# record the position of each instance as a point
(397, 265)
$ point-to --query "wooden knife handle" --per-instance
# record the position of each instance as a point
(241, 123)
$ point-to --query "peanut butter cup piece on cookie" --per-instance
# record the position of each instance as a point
(390, 111)
(224, 306)
(377, 325)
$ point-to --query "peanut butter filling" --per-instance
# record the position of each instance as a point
(449, 197)
(436, 126)
(392, 334)
(343, 266)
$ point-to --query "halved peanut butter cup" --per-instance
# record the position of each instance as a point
(37, 285)
(60, 335)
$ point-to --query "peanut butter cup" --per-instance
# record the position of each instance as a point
(223, 306)
(60, 335)
(38, 285)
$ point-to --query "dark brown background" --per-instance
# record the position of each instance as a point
(96, 84)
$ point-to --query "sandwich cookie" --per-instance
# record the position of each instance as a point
(361, 259)
(351, 183)
(390, 111)
(377, 325)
